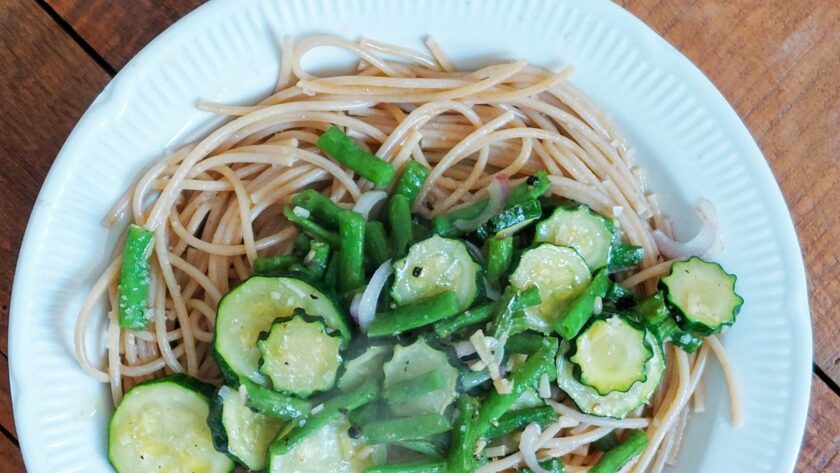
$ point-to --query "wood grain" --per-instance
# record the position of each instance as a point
(10, 458)
(821, 447)
(6, 418)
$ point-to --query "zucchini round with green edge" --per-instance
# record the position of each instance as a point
(611, 355)
(161, 425)
(615, 404)
(418, 358)
(559, 274)
(434, 265)
(366, 365)
(329, 449)
(300, 355)
(510, 220)
(588, 232)
(703, 294)
(239, 431)
(251, 307)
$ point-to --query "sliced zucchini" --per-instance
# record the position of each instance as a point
(612, 355)
(252, 307)
(559, 273)
(161, 425)
(366, 365)
(615, 404)
(240, 432)
(703, 293)
(414, 360)
(434, 265)
(329, 449)
(510, 220)
(300, 356)
(589, 233)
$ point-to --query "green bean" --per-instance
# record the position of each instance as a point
(533, 187)
(576, 316)
(376, 243)
(464, 436)
(413, 177)
(614, 459)
(320, 207)
(415, 387)
(270, 265)
(331, 275)
(415, 315)
(347, 152)
(472, 379)
(499, 256)
(476, 315)
(607, 442)
(514, 421)
(624, 257)
(503, 323)
(332, 410)
(430, 448)
(274, 404)
(301, 246)
(619, 296)
(351, 227)
(525, 343)
(317, 259)
(405, 428)
(541, 362)
(399, 219)
(655, 315)
(554, 465)
(417, 466)
(134, 278)
(311, 228)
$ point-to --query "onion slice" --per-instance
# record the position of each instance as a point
(498, 190)
(706, 243)
(370, 297)
(369, 201)
(528, 443)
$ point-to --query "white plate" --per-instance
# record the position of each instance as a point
(689, 139)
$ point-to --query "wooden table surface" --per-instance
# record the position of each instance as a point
(776, 61)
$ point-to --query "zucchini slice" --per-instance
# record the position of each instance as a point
(611, 355)
(559, 273)
(161, 425)
(615, 404)
(589, 233)
(510, 220)
(251, 308)
(329, 449)
(703, 293)
(434, 265)
(300, 356)
(239, 431)
(366, 365)
(417, 359)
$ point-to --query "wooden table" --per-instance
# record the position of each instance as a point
(777, 61)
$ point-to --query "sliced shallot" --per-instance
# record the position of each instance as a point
(706, 243)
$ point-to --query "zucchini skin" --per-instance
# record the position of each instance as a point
(527, 212)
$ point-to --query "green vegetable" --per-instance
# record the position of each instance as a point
(239, 431)
(655, 314)
(474, 316)
(351, 263)
(554, 465)
(612, 355)
(333, 268)
(619, 297)
(499, 257)
(347, 152)
(624, 257)
(311, 228)
(417, 466)
(589, 233)
(415, 315)
(273, 265)
(614, 459)
(434, 446)
(413, 177)
(503, 323)
(533, 188)
(525, 343)
(405, 428)
(579, 312)
(464, 436)
(134, 278)
(317, 259)
(320, 207)
(514, 421)
(376, 243)
(281, 361)
(410, 361)
(364, 366)
(399, 218)
(510, 220)
(414, 387)
(273, 404)
(607, 442)
(703, 293)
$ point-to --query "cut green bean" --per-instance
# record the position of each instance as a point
(134, 278)
(655, 315)
(413, 177)
(271, 265)
(533, 187)
(274, 404)
(317, 259)
(576, 316)
(415, 315)
(619, 296)
(607, 442)
(320, 207)
(399, 219)
(474, 316)
(553, 465)
(517, 420)
(405, 428)
(499, 256)
(614, 459)
(504, 321)
(376, 243)
(413, 388)
(301, 246)
(347, 152)
(624, 257)
(331, 275)
(418, 466)
(464, 436)
(525, 343)
(352, 234)
(429, 447)
(311, 228)
(472, 379)
(527, 376)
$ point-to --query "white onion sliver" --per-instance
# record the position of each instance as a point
(545, 386)
(707, 240)
(491, 292)
(354, 307)
(368, 201)
(463, 348)
(474, 251)
(367, 303)
(495, 204)
(528, 448)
